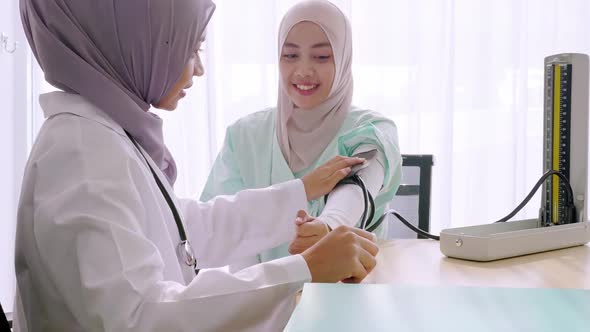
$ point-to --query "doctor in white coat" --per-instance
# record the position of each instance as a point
(103, 244)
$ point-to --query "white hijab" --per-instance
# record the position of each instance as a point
(304, 134)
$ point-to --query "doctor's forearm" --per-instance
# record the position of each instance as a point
(232, 227)
(215, 300)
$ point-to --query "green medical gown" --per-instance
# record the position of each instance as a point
(251, 158)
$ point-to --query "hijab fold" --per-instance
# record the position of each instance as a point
(122, 56)
(303, 134)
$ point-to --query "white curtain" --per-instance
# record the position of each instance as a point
(462, 80)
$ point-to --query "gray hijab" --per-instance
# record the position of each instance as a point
(121, 55)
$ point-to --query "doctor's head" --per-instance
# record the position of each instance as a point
(121, 56)
(133, 51)
(315, 54)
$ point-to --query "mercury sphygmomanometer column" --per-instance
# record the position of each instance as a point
(565, 136)
(565, 149)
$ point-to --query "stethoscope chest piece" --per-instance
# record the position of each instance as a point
(184, 249)
(185, 253)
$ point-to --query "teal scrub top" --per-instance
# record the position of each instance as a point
(251, 158)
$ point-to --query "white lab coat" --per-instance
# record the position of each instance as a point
(96, 240)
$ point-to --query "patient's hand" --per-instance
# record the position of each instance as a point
(309, 230)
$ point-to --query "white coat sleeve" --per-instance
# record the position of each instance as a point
(227, 228)
(90, 232)
(345, 203)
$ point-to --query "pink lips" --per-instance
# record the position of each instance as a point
(182, 93)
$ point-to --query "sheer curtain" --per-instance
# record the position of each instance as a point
(462, 80)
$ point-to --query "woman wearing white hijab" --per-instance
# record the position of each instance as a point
(102, 242)
(312, 122)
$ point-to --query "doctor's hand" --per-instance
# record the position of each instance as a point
(345, 254)
(309, 230)
(323, 179)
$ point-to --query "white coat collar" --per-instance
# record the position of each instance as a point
(58, 102)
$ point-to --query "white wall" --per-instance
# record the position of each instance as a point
(13, 141)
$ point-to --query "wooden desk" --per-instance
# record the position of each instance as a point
(420, 262)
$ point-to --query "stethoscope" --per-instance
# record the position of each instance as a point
(183, 249)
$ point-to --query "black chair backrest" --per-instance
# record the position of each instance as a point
(419, 187)
(5, 325)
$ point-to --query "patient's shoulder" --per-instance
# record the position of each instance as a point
(260, 120)
(362, 116)
(253, 128)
